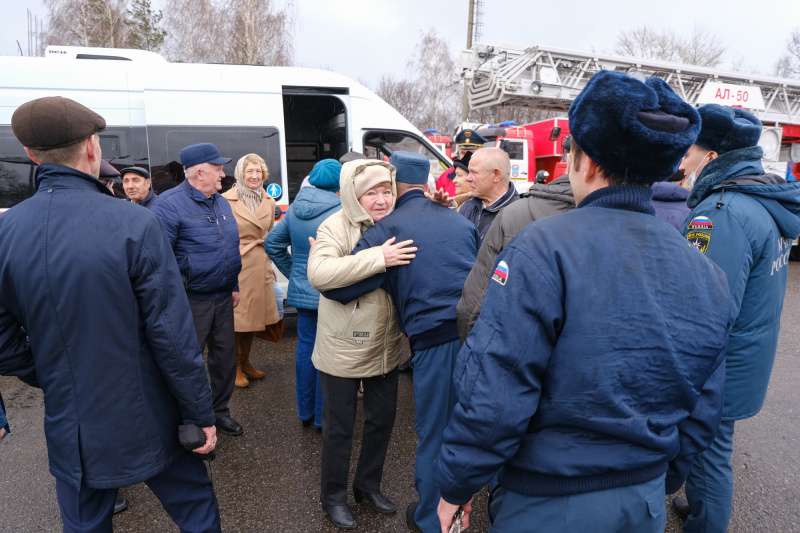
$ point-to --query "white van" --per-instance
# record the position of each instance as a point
(292, 117)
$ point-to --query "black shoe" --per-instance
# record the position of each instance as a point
(376, 500)
(120, 505)
(308, 422)
(340, 515)
(229, 426)
(681, 507)
(410, 522)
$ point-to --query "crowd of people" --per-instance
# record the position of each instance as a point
(613, 384)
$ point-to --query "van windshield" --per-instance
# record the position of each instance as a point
(379, 144)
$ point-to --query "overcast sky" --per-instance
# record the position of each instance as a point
(364, 39)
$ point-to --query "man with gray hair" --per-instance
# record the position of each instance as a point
(205, 238)
(489, 170)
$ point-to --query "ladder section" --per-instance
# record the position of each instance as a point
(550, 78)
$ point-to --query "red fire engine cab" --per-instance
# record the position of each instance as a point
(532, 149)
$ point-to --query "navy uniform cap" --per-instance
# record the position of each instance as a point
(411, 167)
(470, 139)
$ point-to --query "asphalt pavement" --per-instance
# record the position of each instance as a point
(268, 478)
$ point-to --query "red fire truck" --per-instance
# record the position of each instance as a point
(532, 149)
(443, 143)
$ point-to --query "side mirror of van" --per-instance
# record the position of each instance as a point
(554, 133)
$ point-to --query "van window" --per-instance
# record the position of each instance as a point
(16, 170)
(166, 143)
(379, 144)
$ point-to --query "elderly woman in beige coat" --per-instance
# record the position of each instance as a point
(254, 211)
(357, 342)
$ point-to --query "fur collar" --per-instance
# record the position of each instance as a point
(728, 165)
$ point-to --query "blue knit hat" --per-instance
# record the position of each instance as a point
(727, 128)
(325, 175)
(638, 130)
(411, 167)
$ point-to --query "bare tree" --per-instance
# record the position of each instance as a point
(432, 66)
(86, 23)
(194, 31)
(403, 95)
(259, 32)
(648, 43)
(143, 24)
(700, 47)
(788, 66)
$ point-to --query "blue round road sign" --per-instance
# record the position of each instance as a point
(274, 190)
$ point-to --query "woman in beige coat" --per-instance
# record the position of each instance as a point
(357, 342)
(254, 211)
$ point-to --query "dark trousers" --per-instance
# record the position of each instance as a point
(339, 404)
(184, 490)
(213, 323)
(434, 398)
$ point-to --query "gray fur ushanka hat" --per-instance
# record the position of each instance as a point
(638, 130)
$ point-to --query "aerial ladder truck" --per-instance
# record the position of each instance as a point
(550, 78)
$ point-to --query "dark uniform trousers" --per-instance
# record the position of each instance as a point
(339, 404)
(213, 322)
(184, 489)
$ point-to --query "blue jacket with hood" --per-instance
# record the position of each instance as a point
(309, 209)
(745, 220)
(669, 201)
(604, 380)
(108, 333)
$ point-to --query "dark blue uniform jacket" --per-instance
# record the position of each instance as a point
(110, 339)
(744, 221)
(597, 358)
(424, 298)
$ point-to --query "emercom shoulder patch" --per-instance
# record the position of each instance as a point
(699, 240)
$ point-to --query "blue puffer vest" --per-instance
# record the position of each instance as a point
(205, 239)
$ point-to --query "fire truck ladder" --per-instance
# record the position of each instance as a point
(550, 78)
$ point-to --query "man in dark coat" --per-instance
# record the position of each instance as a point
(137, 186)
(744, 220)
(488, 178)
(584, 390)
(540, 201)
(93, 311)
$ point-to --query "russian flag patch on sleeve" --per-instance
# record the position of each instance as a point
(501, 273)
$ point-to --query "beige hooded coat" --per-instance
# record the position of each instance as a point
(360, 339)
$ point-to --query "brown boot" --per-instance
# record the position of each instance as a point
(241, 379)
(244, 344)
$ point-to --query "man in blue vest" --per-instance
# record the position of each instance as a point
(744, 220)
(585, 387)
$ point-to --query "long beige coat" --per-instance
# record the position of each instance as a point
(257, 305)
(360, 339)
